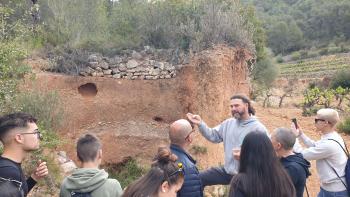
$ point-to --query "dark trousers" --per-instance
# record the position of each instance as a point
(215, 176)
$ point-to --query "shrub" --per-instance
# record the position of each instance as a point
(125, 172)
(342, 79)
(279, 59)
(196, 149)
(323, 51)
(344, 126)
(296, 55)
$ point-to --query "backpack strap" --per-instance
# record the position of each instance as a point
(346, 151)
(347, 154)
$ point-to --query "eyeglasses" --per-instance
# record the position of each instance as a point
(189, 134)
(317, 119)
(179, 170)
(37, 132)
(16, 183)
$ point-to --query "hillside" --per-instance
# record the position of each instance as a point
(323, 66)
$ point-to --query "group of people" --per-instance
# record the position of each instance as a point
(257, 164)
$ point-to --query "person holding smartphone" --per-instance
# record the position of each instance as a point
(328, 153)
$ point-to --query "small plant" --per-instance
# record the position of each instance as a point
(196, 149)
(125, 172)
(344, 126)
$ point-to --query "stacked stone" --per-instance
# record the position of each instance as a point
(133, 66)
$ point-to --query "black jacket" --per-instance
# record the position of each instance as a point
(298, 170)
(192, 186)
(12, 170)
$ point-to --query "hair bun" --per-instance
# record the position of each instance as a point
(164, 155)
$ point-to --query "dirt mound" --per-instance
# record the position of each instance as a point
(132, 116)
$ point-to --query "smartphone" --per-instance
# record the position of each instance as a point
(294, 120)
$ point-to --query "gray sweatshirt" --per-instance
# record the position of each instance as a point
(326, 153)
(232, 133)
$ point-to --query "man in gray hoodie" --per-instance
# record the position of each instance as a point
(90, 180)
(231, 132)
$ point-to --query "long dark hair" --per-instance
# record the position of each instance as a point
(260, 172)
(245, 99)
(164, 168)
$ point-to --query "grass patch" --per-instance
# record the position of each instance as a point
(125, 172)
(196, 149)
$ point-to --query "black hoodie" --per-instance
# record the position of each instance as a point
(298, 169)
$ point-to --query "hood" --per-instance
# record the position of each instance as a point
(250, 120)
(86, 180)
(299, 159)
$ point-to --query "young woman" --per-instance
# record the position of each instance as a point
(260, 173)
(163, 180)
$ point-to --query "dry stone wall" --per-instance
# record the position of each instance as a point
(149, 64)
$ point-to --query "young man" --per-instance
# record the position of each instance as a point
(328, 153)
(180, 135)
(231, 132)
(19, 135)
(283, 140)
(90, 179)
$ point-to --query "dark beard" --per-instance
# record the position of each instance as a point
(237, 115)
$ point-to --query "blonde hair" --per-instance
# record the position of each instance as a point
(330, 115)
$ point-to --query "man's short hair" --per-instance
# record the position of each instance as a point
(14, 120)
(285, 137)
(245, 99)
(328, 114)
(88, 147)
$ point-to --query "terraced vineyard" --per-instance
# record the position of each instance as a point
(317, 67)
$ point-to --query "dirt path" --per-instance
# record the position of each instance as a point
(275, 117)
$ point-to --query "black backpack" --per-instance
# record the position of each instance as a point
(79, 194)
(347, 167)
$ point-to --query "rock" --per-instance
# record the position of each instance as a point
(173, 75)
(85, 74)
(107, 72)
(162, 77)
(148, 49)
(98, 69)
(68, 167)
(129, 75)
(159, 65)
(93, 64)
(148, 77)
(168, 66)
(164, 72)
(154, 72)
(117, 76)
(167, 76)
(131, 71)
(156, 77)
(94, 74)
(137, 74)
(104, 65)
(115, 71)
(116, 60)
(136, 55)
(88, 70)
(122, 67)
(133, 77)
(94, 58)
(131, 64)
(152, 62)
(186, 60)
(99, 74)
(113, 65)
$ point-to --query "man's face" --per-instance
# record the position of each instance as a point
(238, 108)
(30, 137)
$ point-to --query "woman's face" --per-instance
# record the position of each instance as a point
(170, 190)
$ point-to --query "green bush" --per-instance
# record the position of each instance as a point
(296, 56)
(332, 50)
(125, 172)
(344, 126)
(279, 59)
(323, 51)
(341, 78)
(312, 54)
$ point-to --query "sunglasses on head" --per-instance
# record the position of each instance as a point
(317, 120)
(179, 170)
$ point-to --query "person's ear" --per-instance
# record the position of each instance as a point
(279, 146)
(165, 187)
(18, 138)
(99, 155)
